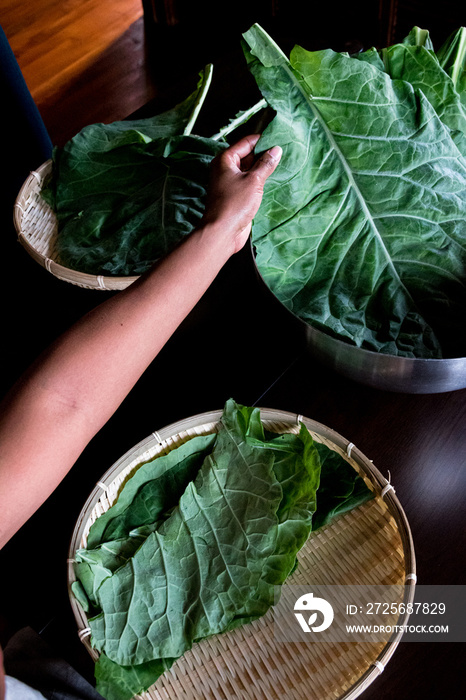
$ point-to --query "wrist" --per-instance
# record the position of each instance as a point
(218, 243)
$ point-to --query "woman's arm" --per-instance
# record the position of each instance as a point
(72, 390)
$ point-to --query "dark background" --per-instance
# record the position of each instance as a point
(314, 24)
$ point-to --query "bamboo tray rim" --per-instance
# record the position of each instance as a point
(207, 422)
(30, 211)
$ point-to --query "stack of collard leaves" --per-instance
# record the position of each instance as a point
(362, 229)
(125, 194)
(198, 541)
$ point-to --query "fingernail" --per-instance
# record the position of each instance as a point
(276, 152)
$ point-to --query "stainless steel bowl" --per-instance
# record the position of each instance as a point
(381, 371)
(389, 372)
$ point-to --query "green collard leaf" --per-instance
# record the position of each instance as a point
(193, 105)
(226, 532)
(418, 37)
(94, 566)
(421, 68)
(297, 469)
(115, 682)
(203, 564)
(361, 231)
(371, 56)
(125, 194)
(145, 500)
(340, 490)
(214, 562)
(80, 594)
(153, 489)
(97, 139)
(122, 209)
(452, 58)
(101, 138)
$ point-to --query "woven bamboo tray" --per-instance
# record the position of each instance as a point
(36, 226)
(370, 545)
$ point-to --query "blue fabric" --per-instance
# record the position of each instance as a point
(25, 142)
(17, 690)
(28, 658)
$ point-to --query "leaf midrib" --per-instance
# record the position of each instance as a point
(287, 67)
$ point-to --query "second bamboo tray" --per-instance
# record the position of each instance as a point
(370, 545)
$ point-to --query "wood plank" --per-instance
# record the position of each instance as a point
(113, 86)
(56, 40)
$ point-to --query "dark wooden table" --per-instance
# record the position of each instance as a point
(239, 344)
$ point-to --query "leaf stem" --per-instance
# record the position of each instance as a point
(203, 90)
(240, 119)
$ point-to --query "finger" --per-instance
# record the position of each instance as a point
(247, 162)
(267, 162)
(242, 148)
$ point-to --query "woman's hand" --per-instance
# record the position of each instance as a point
(236, 188)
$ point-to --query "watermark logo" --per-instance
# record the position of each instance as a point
(365, 613)
(310, 604)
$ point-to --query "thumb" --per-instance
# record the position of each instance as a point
(267, 162)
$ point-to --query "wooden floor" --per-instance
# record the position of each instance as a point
(83, 60)
(55, 40)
